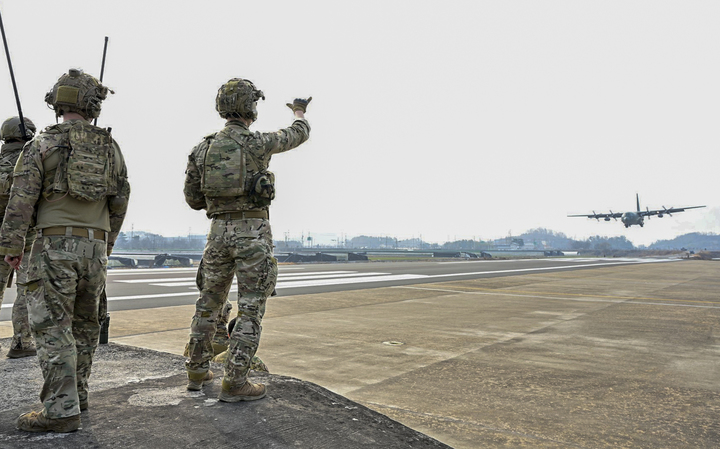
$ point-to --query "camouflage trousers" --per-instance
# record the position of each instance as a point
(235, 248)
(22, 337)
(221, 340)
(65, 278)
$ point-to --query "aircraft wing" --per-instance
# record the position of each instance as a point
(599, 216)
(666, 211)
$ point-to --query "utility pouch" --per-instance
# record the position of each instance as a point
(5, 183)
(262, 188)
(84, 249)
(6, 174)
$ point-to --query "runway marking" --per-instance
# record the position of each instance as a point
(574, 260)
(368, 277)
(528, 270)
(495, 261)
(132, 271)
(283, 280)
(312, 283)
(280, 276)
(628, 300)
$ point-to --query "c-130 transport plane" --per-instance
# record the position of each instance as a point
(637, 217)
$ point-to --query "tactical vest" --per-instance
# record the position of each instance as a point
(223, 172)
(88, 170)
(8, 159)
(230, 171)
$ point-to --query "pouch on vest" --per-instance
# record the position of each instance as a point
(6, 174)
(223, 171)
(6, 178)
(90, 163)
(262, 190)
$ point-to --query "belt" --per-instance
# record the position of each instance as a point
(242, 215)
(77, 232)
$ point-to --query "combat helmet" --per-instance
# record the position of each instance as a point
(238, 98)
(10, 129)
(79, 92)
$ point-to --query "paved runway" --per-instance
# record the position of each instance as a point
(162, 287)
(562, 355)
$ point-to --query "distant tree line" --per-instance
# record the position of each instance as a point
(145, 241)
(693, 241)
(539, 238)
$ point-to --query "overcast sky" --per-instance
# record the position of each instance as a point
(452, 119)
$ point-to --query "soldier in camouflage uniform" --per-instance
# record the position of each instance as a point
(22, 343)
(227, 176)
(72, 178)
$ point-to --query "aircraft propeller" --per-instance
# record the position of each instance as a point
(668, 211)
(613, 215)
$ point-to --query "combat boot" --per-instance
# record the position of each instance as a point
(245, 392)
(17, 351)
(195, 384)
(38, 422)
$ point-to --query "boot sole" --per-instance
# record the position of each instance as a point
(54, 427)
(226, 397)
(198, 387)
(20, 354)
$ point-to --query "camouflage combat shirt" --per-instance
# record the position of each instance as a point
(9, 154)
(259, 146)
(31, 194)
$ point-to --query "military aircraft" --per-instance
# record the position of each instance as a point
(637, 217)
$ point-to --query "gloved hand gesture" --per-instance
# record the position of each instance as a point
(299, 104)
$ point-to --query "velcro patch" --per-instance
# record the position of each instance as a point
(67, 95)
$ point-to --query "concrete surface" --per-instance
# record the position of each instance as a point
(138, 399)
(623, 356)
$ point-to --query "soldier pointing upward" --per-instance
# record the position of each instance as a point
(227, 176)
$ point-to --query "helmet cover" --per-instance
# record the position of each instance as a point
(10, 129)
(78, 92)
(238, 99)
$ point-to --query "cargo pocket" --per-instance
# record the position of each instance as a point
(271, 277)
(39, 315)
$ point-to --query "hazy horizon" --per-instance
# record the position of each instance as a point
(452, 120)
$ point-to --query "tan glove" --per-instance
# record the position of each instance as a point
(299, 104)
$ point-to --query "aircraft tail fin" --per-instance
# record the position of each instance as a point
(637, 199)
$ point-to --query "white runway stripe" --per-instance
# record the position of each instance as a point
(280, 280)
(312, 283)
(134, 271)
(280, 285)
(280, 276)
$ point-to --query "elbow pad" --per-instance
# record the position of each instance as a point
(117, 203)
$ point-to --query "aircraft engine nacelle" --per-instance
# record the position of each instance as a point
(660, 215)
(607, 218)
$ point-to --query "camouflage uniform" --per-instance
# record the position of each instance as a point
(22, 342)
(66, 270)
(239, 244)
